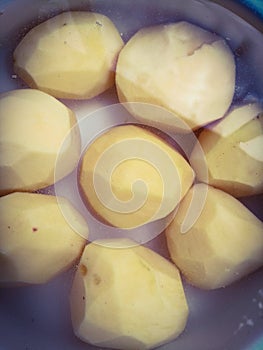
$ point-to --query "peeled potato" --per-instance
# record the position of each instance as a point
(178, 66)
(223, 245)
(37, 241)
(233, 149)
(33, 127)
(72, 55)
(126, 297)
(129, 176)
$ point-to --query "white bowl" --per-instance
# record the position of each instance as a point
(38, 317)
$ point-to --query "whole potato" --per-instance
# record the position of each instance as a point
(71, 55)
(33, 128)
(223, 245)
(126, 297)
(36, 241)
(130, 176)
(178, 66)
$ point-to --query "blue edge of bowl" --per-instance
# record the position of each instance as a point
(255, 6)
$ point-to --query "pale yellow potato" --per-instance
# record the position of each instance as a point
(72, 55)
(33, 128)
(233, 150)
(37, 242)
(222, 246)
(181, 67)
(130, 176)
(126, 297)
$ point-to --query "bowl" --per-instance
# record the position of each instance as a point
(38, 317)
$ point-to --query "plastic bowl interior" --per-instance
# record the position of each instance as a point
(38, 317)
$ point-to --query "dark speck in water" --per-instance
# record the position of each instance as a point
(241, 49)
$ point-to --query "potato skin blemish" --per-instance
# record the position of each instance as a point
(83, 270)
(96, 279)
